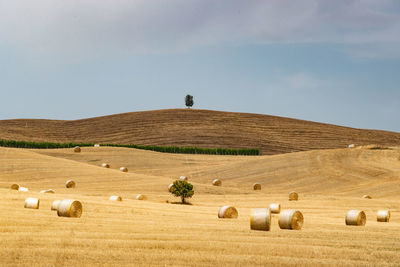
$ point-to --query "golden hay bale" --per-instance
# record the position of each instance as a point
(352, 146)
(69, 208)
(183, 178)
(14, 186)
(70, 184)
(260, 219)
(96, 145)
(32, 203)
(217, 182)
(291, 219)
(275, 208)
(171, 187)
(293, 196)
(23, 189)
(141, 197)
(54, 205)
(383, 216)
(257, 186)
(116, 198)
(367, 196)
(123, 169)
(356, 217)
(51, 191)
(105, 165)
(228, 212)
(77, 149)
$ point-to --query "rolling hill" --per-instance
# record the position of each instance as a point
(201, 128)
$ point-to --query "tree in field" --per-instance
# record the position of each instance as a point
(189, 101)
(182, 189)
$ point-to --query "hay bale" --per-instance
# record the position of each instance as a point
(123, 169)
(32, 203)
(77, 149)
(54, 205)
(23, 189)
(293, 196)
(96, 145)
(367, 196)
(260, 219)
(105, 165)
(69, 208)
(171, 187)
(217, 182)
(70, 184)
(183, 178)
(116, 198)
(14, 187)
(228, 212)
(141, 197)
(256, 186)
(352, 146)
(383, 216)
(291, 219)
(356, 217)
(275, 208)
(47, 191)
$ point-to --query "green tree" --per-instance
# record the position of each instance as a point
(182, 189)
(189, 101)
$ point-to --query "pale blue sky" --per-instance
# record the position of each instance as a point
(328, 61)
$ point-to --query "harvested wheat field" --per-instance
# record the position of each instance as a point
(154, 232)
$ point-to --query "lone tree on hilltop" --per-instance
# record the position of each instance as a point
(182, 189)
(189, 101)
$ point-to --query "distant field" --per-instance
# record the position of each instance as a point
(157, 233)
(197, 128)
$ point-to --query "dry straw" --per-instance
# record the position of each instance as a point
(47, 191)
(32, 203)
(366, 196)
(171, 187)
(105, 165)
(356, 217)
(383, 216)
(77, 149)
(228, 212)
(257, 186)
(217, 182)
(69, 208)
(116, 198)
(15, 187)
(23, 189)
(291, 219)
(293, 196)
(183, 178)
(54, 205)
(260, 219)
(141, 197)
(275, 208)
(70, 184)
(123, 169)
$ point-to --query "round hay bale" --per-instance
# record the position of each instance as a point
(171, 187)
(14, 186)
(51, 191)
(141, 197)
(123, 169)
(96, 145)
(352, 146)
(383, 216)
(70, 184)
(116, 198)
(275, 208)
(77, 149)
(293, 196)
(32, 203)
(54, 205)
(257, 186)
(105, 165)
(23, 189)
(183, 178)
(217, 182)
(228, 212)
(356, 217)
(260, 219)
(291, 219)
(69, 208)
(367, 196)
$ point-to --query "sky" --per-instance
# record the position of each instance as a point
(320, 60)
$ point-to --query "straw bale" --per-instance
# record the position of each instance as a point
(47, 191)
(123, 169)
(293, 196)
(96, 145)
(275, 208)
(228, 212)
(257, 186)
(291, 219)
(116, 198)
(355, 217)
(141, 197)
(70, 184)
(183, 178)
(352, 146)
(14, 186)
(217, 182)
(32, 203)
(77, 149)
(105, 165)
(23, 189)
(383, 216)
(260, 219)
(367, 196)
(171, 187)
(69, 208)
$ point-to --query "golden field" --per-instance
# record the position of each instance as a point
(154, 232)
